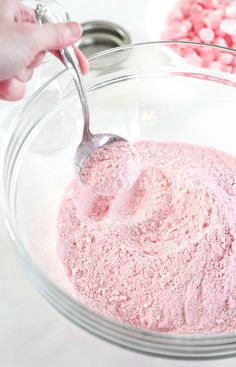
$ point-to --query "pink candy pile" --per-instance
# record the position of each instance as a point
(204, 21)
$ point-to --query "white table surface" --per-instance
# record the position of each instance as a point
(32, 333)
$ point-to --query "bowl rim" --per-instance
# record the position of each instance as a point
(167, 42)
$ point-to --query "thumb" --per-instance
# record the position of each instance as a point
(56, 36)
(7, 9)
(12, 89)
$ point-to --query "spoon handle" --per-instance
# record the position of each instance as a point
(72, 63)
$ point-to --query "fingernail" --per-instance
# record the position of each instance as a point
(75, 30)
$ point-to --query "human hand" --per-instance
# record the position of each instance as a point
(23, 44)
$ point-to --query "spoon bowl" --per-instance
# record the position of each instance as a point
(86, 147)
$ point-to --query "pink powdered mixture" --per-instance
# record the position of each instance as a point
(112, 169)
(161, 256)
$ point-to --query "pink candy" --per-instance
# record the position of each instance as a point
(220, 42)
(216, 65)
(206, 35)
(228, 26)
(225, 59)
(207, 21)
(212, 20)
(231, 10)
(194, 59)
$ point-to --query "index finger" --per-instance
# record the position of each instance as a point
(8, 9)
(84, 64)
(55, 36)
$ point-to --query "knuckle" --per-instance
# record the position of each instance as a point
(61, 37)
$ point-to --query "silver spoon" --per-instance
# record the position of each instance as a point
(90, 142)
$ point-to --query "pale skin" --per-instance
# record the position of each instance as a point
(24, 43)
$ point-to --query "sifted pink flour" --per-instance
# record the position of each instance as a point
(112, 169)
(162, 255)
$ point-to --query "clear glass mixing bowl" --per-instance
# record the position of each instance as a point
(143, 91)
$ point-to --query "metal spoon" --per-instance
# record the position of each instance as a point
(90, 142)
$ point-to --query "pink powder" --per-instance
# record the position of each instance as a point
(112, 169)
(161, 256)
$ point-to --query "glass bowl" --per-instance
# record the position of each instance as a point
(143, 91)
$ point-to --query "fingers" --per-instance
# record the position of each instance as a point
(15, 10)
(84, 64)
(24, 75)
(16, 63)
(57, 54)
(12, 89)
(38, 59)
(24, 14)
(7, 9)
(57, 36)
